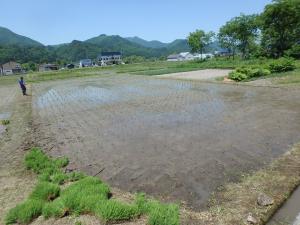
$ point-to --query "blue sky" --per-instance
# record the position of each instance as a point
(61, 21)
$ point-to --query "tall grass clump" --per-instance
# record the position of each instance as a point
(84, 195)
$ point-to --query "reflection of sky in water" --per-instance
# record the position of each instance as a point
(4, 116)
(102, 95)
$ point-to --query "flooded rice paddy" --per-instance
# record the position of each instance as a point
(176, 140)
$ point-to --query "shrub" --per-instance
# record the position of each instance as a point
(294, 51)
(25, 212)
(258, 72)
(237, 76)
(244, 70)
(244, 73)
(45, 191)
(282, 65)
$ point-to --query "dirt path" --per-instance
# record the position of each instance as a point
(206, 74)
(15, 181)
(176, 140)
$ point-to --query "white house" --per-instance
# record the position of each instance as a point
(203, 56)
(109, 58)
(85, 63)
(183, 56)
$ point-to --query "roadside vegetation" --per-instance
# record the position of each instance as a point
(58, 194)
(264, 69)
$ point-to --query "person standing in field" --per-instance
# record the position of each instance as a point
(22, 85)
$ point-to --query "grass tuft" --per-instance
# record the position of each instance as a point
(54, 209)
(45, 191)
(163, 214)
(112, 210)
(25, 212)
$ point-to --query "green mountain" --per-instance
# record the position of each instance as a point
(148, 44)
(117, 43)
(179, 45)
(22, 49)
(7, 37)
(75, 51)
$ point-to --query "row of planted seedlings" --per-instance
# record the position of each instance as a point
(83, 195)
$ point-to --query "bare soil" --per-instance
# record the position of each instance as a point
(206, 74)
(173, 139)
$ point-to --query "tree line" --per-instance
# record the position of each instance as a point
(273, 33)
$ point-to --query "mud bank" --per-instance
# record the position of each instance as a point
(176, 140)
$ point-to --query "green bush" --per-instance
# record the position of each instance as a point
(244, 73)
(237, 76)
(258, 72)
(25, 212)
(294, 51)
(282, 65)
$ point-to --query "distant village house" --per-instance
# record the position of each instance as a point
(10, 68)
(48, 67)
(186, 56)
(85, 63)
(183, 56)
(109, 58)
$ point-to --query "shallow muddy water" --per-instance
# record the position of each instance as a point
(289, 213)
(178, 140)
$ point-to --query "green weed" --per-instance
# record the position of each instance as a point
(5, 122)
